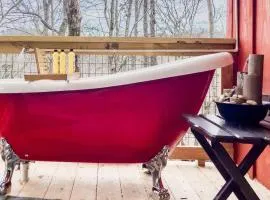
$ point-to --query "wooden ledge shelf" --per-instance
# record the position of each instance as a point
(37, 77)
(119, 45)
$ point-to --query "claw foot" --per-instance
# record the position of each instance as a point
(154, 168)
(11, 161)
(164, 194)
(5, 188)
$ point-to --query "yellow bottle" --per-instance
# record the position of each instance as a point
(62, 62)
(71, 62)
(55, 56)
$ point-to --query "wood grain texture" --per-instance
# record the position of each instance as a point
(82, 181)
(36, 77)
(121, 45)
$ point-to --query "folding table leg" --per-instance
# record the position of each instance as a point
(208, 149)
(244, 166)
(213, 156)
(240, 184)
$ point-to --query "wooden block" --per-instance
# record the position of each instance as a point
(45, 77)
(40, 55)
(189, 153)
(201, 163)
(196, 153)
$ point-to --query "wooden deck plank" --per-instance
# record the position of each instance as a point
(198, 181)
(147, 182)
(212, 174)
(131, 183)
(177, 183)
(17, 184)
(261, 191)
(40, 180)
(85, 183)
(89, 182)
(63, 181)
(108, 187)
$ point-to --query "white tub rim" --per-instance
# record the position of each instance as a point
(172, 69)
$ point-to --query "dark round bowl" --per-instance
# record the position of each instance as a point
(243, 114)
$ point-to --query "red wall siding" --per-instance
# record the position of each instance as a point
(246, 31)
(262, 169)
(263, 39)
(246, 46)
(254, 37)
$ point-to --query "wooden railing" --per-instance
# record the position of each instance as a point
(120, 45)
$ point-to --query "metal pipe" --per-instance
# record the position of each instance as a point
(25, 171)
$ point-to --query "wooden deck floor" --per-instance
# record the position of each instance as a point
(79, 181)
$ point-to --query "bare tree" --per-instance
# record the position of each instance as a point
(145, 27)
(137, 14)
(73, 16)
(6, 10)
(38, 14)
(128, 17)
(177, 16)
(152, 18)
(64, 24)
(112, 15)
(153, 26)
(210, 7)
(145, 18)
(136, 21)
(46, 13)
(117, 25)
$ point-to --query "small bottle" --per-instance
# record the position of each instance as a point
(62, 62)
(55, 56)
(71, 62)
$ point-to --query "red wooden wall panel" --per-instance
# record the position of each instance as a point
(254, 37)
(263, 39)
(246, 31)
(262, 169)
(246, 46)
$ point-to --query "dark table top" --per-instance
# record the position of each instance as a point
(216, 128)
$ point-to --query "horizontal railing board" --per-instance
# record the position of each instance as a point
(195, 153)
(79, 39)
(124, 46)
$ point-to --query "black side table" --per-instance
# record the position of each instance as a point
(211, 131)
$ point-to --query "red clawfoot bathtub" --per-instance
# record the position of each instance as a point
(123, 118)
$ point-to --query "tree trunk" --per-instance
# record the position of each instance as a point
(145, 18)
(111, 68)
(145, 27)
(137, 13)
(210, 6)
(52, 14)
(136, 21)
(46, 10)
(111, 23)
(73, 17)
(128, 17)
(64, 24)
(153, 26)
(116, 18)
